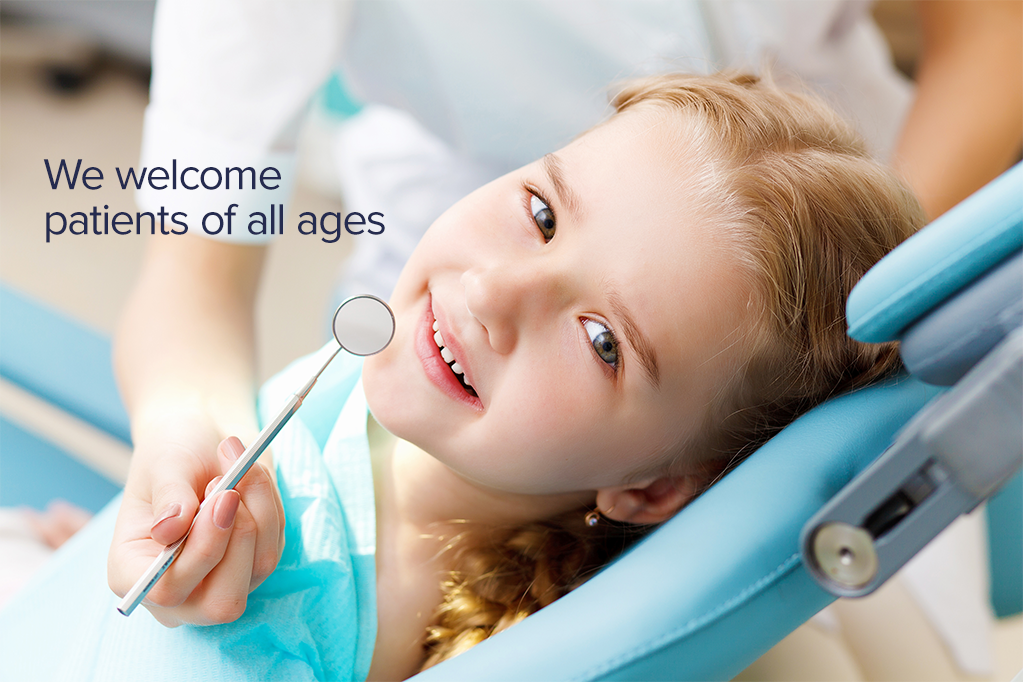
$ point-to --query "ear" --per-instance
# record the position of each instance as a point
(649, 501)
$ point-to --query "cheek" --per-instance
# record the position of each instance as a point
(479, 224)
(446, 235)
(382, 392)
(549, 413)
(396, 392)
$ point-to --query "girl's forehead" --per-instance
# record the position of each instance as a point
(678, 133)
(653, 150)
(643, 169)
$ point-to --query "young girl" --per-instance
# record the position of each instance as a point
(582, 347)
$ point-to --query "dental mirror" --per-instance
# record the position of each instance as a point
(363, 325)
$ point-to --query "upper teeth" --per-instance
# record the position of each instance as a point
(448, 356)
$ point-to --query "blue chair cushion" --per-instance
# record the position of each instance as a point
(936, 262)
(718, 585)
(61, 361)
(24, 457)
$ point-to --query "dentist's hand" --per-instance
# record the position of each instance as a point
(237, 539)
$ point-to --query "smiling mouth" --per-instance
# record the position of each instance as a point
(449, 358)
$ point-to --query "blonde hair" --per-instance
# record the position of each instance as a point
(810, 212)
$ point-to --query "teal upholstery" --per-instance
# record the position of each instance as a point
(1005, 548)
(61, 361)
(68, 365)
(34, 471)
(939, 260)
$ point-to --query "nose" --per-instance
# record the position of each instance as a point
(514, 296)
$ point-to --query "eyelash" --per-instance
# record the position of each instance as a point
(614, 368)
(531, 193)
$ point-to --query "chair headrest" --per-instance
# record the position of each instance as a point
(940, 260)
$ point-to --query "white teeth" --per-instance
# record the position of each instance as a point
(448, 356)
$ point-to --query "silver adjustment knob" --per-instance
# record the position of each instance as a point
(845, 554)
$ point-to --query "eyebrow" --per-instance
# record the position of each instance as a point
(555, 171)
(553, 168)
(639, 342)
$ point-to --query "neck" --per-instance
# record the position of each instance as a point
(421, 506)
(420, 491)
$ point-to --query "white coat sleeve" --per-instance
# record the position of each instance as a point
(231, 80)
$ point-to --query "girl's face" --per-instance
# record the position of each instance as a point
(593, 310)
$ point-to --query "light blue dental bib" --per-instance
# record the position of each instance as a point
(314, 618)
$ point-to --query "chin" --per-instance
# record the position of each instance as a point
(376, 390)
(389, 401)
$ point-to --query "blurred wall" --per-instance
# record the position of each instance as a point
(120, 27)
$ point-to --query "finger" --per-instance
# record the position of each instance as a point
(60, 521)
(223, 594)
(262, 501)
(71, 516)
(132, 549)
(207, 542)
(175, 503)
(38, 523)
(210, 486)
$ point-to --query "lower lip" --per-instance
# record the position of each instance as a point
(438, 371)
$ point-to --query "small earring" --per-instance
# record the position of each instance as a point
(592, 517)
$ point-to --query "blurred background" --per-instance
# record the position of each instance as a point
(74, 80)
(73, 84)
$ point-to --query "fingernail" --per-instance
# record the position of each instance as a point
(169, 513)
(225, 508)
(210, 486)
(233, 448)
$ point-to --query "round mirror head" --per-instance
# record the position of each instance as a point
(363, 325)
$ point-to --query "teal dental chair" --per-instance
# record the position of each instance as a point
(737, 571)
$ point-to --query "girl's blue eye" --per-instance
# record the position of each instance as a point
(543, 216)
(604, 342)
